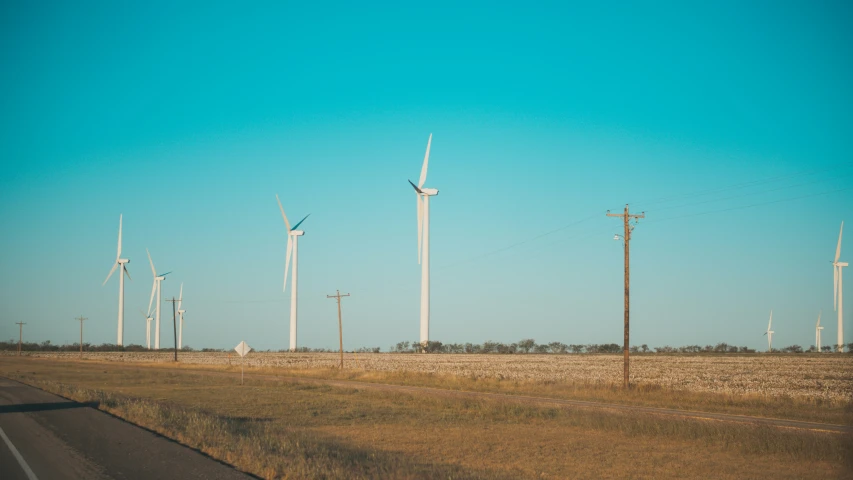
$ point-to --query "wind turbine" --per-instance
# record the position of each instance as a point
(155, 287)
(770, 333)
(838, 291)
(120, 262)
(292, 248)
(817, 330)
(181, 319)
(422, 195)
(147, 327)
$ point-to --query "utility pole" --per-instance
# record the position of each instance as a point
(174, 324)
(81, 319)
(626, 218)
(20, 335)
(340, 324)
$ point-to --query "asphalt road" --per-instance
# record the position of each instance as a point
(43, 436)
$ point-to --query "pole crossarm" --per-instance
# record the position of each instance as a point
(338, 297)
(627, 217)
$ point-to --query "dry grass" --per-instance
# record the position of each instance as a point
(824, 377)
(282, 429)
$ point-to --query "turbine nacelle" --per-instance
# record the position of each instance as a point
(122, 261)
(431, 192)
(297, 233)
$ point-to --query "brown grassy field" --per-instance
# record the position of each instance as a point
(279, 429)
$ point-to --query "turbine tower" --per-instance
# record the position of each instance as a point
(156, 287)
(181, 319)
(817, 330)
(422, 195)
(293, 235)
(147, 327)
(838, 292)
(120, 262)
(770, 333)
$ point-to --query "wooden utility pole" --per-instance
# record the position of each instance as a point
(340, 324)
(626, 218)
(20, 335)
(174, 324)
(81, 319)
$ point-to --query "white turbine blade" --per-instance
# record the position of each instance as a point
(838, 248)
(110, 274)
(771, 321)
(420, 224)
(818, 318)
(118, 254)
(286, 222)
(287, 261)
(181, 296)
(426, 162)
(150, 300)
(834, 288)
(153, 271)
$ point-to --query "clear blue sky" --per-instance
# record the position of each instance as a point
(188, 119)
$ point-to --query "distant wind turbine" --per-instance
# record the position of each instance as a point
(147, 327)
(817, 330)
(293, 235)
(156, 287)
(422, 195)
(838, 291)
(120, 262)
(770, 333)
(181, 312)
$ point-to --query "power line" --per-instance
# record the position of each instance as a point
(746, 194)
(736, 186)
(750, 206)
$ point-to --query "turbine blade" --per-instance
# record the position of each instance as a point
(300, 222)
(151, 299)
(110, 274)
(287, 261)
(838, 248)
(771, 320)
(420, 226)
(181, 296)
(153, 271)
(164, 274)
(142, 313)
(418, 190)
(127, 273)
(286, 223)
(118, 254)
(818, 318)
(426, 163)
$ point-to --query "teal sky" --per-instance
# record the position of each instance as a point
(729, 123)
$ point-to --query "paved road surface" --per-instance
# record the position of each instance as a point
(60, 439)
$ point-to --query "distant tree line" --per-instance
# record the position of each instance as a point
(527, 345)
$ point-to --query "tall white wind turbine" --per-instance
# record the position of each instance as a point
(181, 312)
(156, 287)
(770, 333)
(817, 330)
(119, 263)
(293, 235)
(838, 291)
(422, 195)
